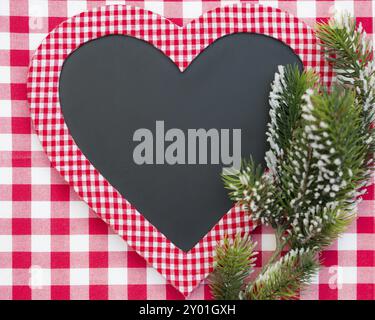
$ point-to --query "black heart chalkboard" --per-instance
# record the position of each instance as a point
(115, 85)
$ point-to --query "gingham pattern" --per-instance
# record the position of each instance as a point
(182, 45)
(73, 254)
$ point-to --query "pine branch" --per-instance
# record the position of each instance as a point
(350, 52)
(323, 169)
(234, 261)
(285, 100)
(258, 192)
(321, 155)
(255, 192)
(323, 234)
(239, 183)
(285, 278)
(345, 46)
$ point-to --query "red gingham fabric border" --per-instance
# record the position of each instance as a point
(182, 44)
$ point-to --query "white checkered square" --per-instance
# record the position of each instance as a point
(41, 209)
(79, 209)
(6, 278)
(344, 7)
(5, 108)
(38, 8)
(6, 175)
(6, 243)
(116, 243)
(40, 175)
(348, 241)
(4, 40)
(4, 74)
(191, 9)
(155, 6)
(268, 242)
(35, 143)
(39, 277)
(117, 276)
(154, 277)
(4, 8)
(79, 243)
(5, 209)
(79, 276)
(5, 142)
(76, 7)
(306, 9)
(35, 39)
(41, 243)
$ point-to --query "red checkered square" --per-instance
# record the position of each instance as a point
(21, 125)
(172, 294)
(98, 292)
(135, 260)
(60, 226)
(21, 260)
(329, 258)
(327, 293)
(98, 259)
(21, 192)
(367, 23)
(137, 292)
(17, 90)
(21, 293)
(60, 260)
(21, 226)
(60, 292)
(97, 226)
(60, 192)
(366, 291)
(365, 258)
(366, 225)
(21, 158)
(54, 21)
(19, 58)
(19, 24)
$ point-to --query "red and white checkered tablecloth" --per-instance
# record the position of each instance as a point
(53, 247)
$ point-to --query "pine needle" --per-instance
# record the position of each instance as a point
(234, 261)
(284, 278)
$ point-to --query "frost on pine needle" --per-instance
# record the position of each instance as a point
(322, 189)
(288, 87)
(284, 278)
(350, 52)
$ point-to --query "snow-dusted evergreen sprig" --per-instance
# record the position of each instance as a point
(275, 100)
(321, 154)
(288, 88)
(234, 262)
(346, 46)
(255, 192)
(325, 167)
(284, 278)
(350, 51)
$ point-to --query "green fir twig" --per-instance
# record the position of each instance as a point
(234, 262)
(321, 157)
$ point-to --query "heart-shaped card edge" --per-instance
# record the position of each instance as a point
(185, 270)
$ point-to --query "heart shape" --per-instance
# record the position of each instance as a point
(181, 44)
(102, 96)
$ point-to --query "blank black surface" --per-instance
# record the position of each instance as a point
(112, 86)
